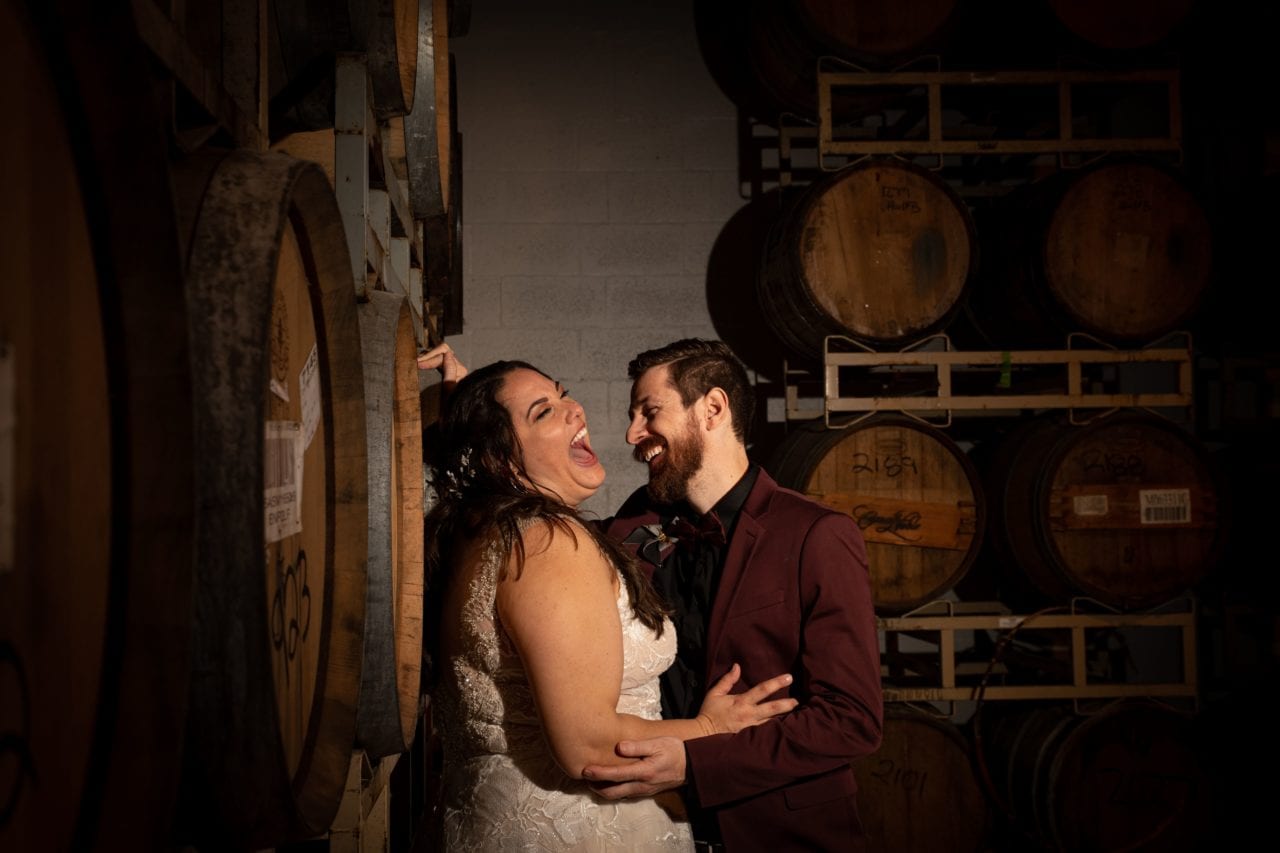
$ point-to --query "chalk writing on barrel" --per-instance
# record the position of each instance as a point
(1114, 463)
(891, 465)
(867, 517)
(888, 773)
(290, 608)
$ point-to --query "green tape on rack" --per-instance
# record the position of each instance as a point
(1006, 370)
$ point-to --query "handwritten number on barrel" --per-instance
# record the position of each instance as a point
(891, 465)
(1114, 463)
(888, 773)
(290, 608)
(16, 742)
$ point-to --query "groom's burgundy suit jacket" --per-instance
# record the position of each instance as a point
(794, 596)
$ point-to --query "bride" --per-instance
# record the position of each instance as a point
(546, 640)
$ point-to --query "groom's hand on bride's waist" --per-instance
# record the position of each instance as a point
(660, 767)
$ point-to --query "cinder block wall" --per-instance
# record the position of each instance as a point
(599, 168)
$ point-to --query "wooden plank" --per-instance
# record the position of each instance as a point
(1131, 506)
(935, 144)
(992, 78)
(1037, 691)
(908, 523)
(1077, 623)
(957, 358)
(1046, 621)
(1011, 401)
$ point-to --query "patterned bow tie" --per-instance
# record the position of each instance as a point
(708, 529)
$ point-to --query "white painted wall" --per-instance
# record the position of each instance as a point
(599, 166)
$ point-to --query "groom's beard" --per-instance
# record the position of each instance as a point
(669, 480)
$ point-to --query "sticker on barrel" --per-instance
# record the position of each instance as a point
(282, 469)
(1165, 506)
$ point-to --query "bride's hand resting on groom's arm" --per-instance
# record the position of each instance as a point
(660, 764)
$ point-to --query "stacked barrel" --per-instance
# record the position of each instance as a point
(887, 251)
(210, 436)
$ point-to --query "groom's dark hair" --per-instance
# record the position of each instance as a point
(699, 365)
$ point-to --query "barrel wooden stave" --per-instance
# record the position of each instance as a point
(427, 128)
(918, 791)
(881, 251)
(391, 673)
(1122, 26)
(1124, 510)
(307, 37)
(912, 491)
(1121, 250)
(1125, 777)
(277, 642)
(784, 43)
(442, 271)
(95, 432)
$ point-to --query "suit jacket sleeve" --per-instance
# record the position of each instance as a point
(837, 681)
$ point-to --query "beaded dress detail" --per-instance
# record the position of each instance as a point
(502, 789)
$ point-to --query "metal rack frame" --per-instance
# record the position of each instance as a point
(947, 364)
(943, 619)
(933, 82)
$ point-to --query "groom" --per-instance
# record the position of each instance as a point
(757, 575)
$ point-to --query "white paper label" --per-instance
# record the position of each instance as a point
(279, 389)
(1089, 505)
(309, 385)
(282, 475)
(1165, 506)
(8, 445)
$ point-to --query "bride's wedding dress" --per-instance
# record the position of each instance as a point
(502, 790)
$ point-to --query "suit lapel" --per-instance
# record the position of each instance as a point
(745, 538)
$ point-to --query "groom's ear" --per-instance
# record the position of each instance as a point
(716, 412)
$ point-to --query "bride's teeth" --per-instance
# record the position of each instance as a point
(579, 438)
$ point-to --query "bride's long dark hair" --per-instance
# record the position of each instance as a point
(478, 474)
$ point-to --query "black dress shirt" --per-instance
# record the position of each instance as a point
(687, 581)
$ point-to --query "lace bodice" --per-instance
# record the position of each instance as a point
(502, 788)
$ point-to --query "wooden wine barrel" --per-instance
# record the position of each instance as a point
(918, 791)
(1123, 25)
(785, 41)
(912, 491)
(442, 234)
(881, 251)
(1124, 510)
(427, 129)
(391, 681)
(283, 501)
(96, 514)
(1126, 778)
(1121, 250)
(309, 35)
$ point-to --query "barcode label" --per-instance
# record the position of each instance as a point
(279, 463)
(282, 479)
(1089, 505)
(1165, 506)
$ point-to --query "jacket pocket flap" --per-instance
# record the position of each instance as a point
(757, 601)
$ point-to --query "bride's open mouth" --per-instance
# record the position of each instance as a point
(580, 449)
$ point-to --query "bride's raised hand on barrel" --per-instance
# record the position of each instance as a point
(444, 359)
